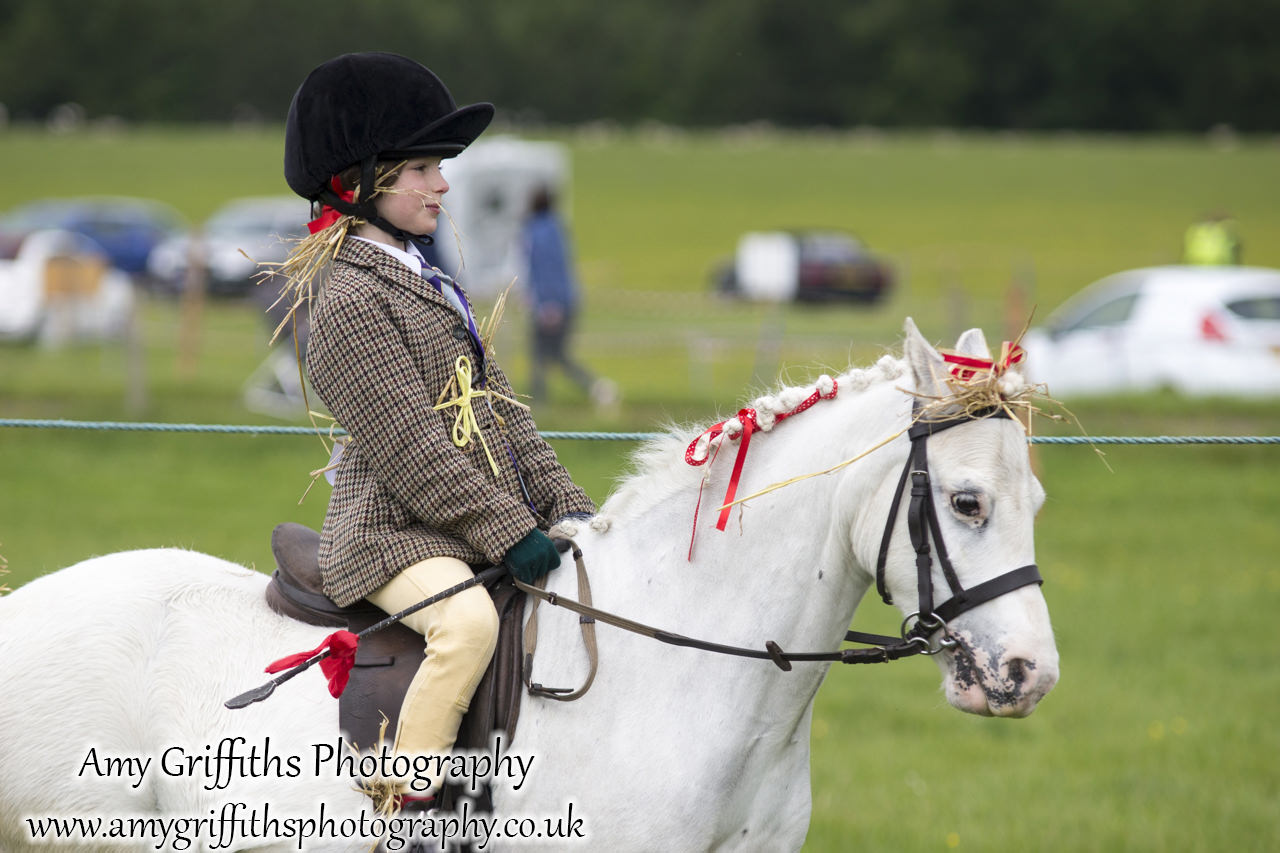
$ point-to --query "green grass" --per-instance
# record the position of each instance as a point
(1159, 576)
(1161, 572)
(956, 211)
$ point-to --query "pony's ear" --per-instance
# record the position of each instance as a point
(927, 367)
(973, 343)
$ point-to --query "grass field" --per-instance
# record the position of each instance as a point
(1161, 571)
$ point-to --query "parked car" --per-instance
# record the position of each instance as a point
(232, 243)
(61, 289)
(804, 266)
(1197, 330)
(127, 229)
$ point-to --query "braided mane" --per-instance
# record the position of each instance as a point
(658, 468)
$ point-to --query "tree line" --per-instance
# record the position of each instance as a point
(1123, 65)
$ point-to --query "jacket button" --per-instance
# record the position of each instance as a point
(460, 332)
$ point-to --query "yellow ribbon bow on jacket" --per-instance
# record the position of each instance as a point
(465, 424)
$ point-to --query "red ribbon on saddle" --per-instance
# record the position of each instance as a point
(329, 215)
(748, 421)
(336, 667)
(967, 367)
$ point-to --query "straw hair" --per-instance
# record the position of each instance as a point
(997, 389)
(304, 270)
(986, 390)
(489, 326)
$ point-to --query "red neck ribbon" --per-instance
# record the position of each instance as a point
(965, 368)
(341, 646)
(329, 215)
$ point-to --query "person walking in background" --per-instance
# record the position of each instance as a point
(553, 296)
(1212, 241)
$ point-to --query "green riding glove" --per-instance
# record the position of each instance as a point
(532, 557)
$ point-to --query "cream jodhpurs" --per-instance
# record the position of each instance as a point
(461, 633)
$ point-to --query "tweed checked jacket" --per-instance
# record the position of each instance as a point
(382, 348)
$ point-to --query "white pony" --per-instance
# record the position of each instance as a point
(116, 669)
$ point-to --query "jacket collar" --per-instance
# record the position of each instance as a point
(366, 255)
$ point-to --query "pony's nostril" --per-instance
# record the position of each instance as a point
(1018, 670)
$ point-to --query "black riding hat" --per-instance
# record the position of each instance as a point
(363, 105)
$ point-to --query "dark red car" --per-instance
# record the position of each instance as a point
(804, 266)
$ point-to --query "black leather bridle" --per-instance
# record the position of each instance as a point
(922, 524)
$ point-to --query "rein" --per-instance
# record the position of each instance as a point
(889, 648)
(922, 524)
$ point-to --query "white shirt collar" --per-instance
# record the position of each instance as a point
(410, 258)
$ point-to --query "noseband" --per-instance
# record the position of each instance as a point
(922, 524)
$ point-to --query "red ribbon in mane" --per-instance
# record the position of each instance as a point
(336, 667)
(749, 419)
(967, 367)
(329, 215)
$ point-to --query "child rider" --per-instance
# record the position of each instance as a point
(445, 470)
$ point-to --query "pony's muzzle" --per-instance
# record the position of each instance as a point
(997, 685)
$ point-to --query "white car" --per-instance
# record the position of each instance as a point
(61, 288)
(1198, 330)
(238, 237)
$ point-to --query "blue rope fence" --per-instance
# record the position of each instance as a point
(566, 435)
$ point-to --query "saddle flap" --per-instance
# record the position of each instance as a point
(296, 589)
(387, 661)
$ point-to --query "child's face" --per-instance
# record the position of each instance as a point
(412, 203)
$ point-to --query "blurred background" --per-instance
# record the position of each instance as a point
(755, 192)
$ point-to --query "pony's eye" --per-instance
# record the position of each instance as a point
(966, 503)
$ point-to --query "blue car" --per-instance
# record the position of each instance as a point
(127, 229)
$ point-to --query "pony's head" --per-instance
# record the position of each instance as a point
(997, 657)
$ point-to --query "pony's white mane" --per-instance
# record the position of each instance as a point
(658, 469)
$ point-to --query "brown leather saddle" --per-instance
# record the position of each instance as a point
(387, 660)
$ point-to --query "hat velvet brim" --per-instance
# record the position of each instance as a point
(448, 135)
